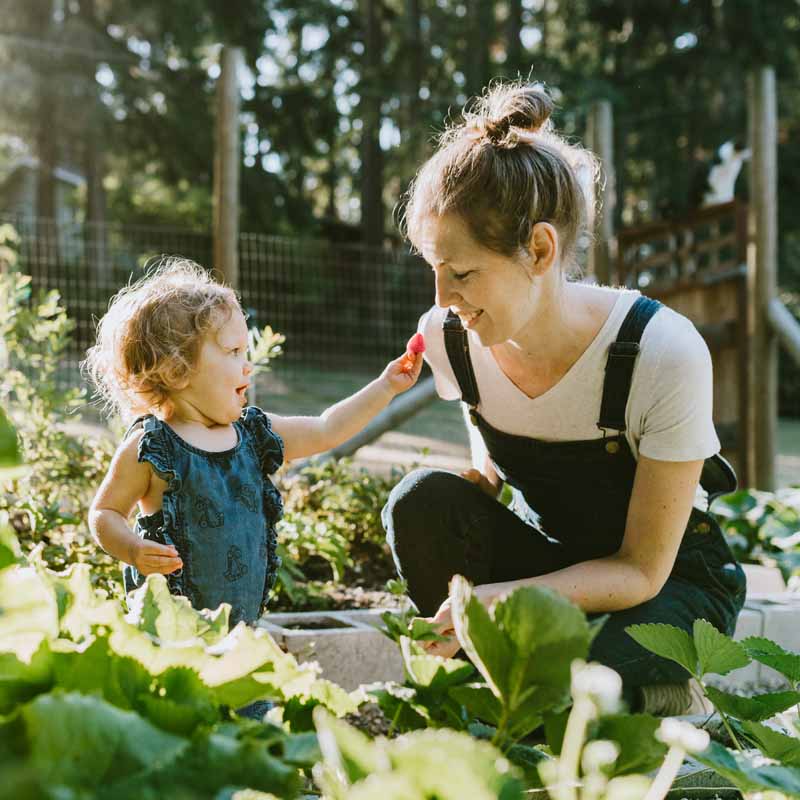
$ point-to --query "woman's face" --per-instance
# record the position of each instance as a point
(493, 295)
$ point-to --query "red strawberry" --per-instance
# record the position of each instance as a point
(416, 344)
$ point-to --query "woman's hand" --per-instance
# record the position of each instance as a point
(481, 481)
(444, 623)
(443, 620)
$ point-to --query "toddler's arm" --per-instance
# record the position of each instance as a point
(125, 484)
(305, 436)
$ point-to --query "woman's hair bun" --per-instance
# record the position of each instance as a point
(503, 107)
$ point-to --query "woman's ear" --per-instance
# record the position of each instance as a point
(543, 248)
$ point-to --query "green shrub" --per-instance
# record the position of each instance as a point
(763, 527)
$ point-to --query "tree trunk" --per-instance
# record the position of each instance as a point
(371, 154)
(481, 28)
(94, 163)
(46, 140)
(514, 64)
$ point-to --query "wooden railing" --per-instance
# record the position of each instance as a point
(707, 244)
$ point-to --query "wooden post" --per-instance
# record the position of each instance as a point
(762, 274)
(226, 168)
(601, 142)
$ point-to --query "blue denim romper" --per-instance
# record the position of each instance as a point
(577, 492)
(219, 511)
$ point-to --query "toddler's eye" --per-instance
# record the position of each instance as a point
(236, 350)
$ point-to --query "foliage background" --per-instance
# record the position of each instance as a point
(125, 92)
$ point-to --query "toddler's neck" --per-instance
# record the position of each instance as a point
(213, 438)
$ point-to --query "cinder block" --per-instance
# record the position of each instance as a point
(347, 645)
(763, 580)
(781, 614)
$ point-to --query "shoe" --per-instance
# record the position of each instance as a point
(675, 700)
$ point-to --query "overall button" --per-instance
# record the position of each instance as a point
(612, 447)
(703, 527)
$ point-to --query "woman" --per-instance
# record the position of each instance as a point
(593, 403)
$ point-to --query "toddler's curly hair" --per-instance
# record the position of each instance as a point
(149, 339)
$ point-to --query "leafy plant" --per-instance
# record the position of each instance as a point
(709, 651)
(48, 503)
(429, 763)
(332, 519)
(96, 703)
(763, 527)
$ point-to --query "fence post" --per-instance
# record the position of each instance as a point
(226, 168)
(762, 273)
(601, 142)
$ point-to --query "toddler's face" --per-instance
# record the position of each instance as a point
(222, 374)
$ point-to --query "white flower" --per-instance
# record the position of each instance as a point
(677, 733)
(599, 754)
(600, 684)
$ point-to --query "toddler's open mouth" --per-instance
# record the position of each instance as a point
(241, 391)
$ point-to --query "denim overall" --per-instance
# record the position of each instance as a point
(570, 505)
(219, 511)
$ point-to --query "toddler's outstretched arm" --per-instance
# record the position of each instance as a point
(127, 482)
(306, 436)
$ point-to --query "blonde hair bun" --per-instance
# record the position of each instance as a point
(507, 114)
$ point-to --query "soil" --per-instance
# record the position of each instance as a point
(336, 597)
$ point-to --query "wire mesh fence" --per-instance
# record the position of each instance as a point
(341, 306)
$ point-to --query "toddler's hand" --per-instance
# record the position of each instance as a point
(402, 373)
(151, 558)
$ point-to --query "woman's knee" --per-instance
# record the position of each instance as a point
(418, 504)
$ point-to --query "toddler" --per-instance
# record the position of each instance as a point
(172, 353)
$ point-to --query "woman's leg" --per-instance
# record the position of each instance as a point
(712, 592)
(439, 525)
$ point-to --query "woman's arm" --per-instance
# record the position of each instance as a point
(661, 501)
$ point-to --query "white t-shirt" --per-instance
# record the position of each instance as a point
(668, 415)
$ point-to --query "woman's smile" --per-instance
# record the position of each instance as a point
(468, 318)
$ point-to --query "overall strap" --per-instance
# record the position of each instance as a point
(456, 343)
(621, 360)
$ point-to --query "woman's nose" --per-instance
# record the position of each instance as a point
(445, 296)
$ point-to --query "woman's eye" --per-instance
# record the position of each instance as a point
(460, 276)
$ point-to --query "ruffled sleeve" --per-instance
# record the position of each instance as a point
(155, 448)
(268, 444)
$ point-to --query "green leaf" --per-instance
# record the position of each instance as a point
(485, 645)
(172, 618)
(179, 702)
(21, 680)
(28, 610)
(717, 652)
(479, 701)
(667, 641)
(757, 708)
(425, 670)
(773, 655)
(10, 454)
(348, 749)
(774, 744)
(740, 770)
(640, 751)
(399, 705)
(10, 551)
(85, 743)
